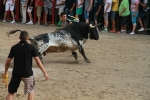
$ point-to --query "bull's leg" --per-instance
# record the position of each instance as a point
(43, 48)
(75, 55)
(81, 50)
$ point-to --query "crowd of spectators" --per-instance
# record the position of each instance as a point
(108, 11)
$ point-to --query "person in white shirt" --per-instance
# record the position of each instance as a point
(9, 4)
(107, 9)
(60, 5)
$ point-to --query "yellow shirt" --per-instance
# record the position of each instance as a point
(115, 6)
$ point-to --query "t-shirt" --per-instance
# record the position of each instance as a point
(97, 3)
(78, 2)
(22, 1)
(69, 3)
(124, 4)
(133, 5)
(62, 24)
(9, 1)
(106, 3)
(22, 54)
(47, 3)
(29, 2)
(58, 2)
(87, 4)
(41, 3)
(115, 6)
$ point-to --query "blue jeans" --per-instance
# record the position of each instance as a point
(67, 11)
(134, 18)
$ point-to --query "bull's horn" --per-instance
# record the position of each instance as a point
(92, 26)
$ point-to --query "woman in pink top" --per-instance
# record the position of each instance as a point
(134, 13)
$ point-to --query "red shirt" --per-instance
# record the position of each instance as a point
(40, 3)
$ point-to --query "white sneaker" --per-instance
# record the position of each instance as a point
(12, 22)
(30, 23)
(4, 21)
(132, 33)
(141, 29)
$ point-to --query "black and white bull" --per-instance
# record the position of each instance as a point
(70, 37)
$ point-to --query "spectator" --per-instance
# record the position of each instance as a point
(63, 22)
(69, 7)
(107, 9)
(115, 4)
(87, 9)
(124, 14)
(97, 8)
(47, 9)
(30, 8)
(142, 14)
(79, 8)
(134, 13)
(39, 4)
(9, 4)
(22, 53)
(23, 8)
(60, 5)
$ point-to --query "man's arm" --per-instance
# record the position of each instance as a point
(62, 3)
(98, 10)
(82, 1)
(40, 65)
(7, 65)
(108, 4)
(124, 9)
(74, 4)
(90, 6)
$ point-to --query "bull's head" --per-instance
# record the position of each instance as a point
(93, 31)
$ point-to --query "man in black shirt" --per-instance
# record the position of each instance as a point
(22, 53)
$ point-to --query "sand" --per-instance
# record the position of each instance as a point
(119, 68)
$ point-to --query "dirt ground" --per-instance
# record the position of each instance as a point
(119, 68)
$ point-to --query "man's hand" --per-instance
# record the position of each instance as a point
(46, 76)
(24, 5)
(120, 13)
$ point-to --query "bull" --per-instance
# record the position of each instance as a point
(70, 37)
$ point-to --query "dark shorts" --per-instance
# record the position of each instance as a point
(124, 20)
(142, 15)
(29, 83)
(14, 84)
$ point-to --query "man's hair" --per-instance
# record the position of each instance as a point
(23, 35)
(63, 13)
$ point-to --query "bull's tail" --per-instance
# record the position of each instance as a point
(13, 31)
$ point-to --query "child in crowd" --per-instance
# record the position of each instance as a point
(9, 4)
(30, 8)
(134, 13)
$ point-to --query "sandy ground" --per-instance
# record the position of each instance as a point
(119, 68)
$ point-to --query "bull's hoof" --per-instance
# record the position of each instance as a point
(88, 61)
